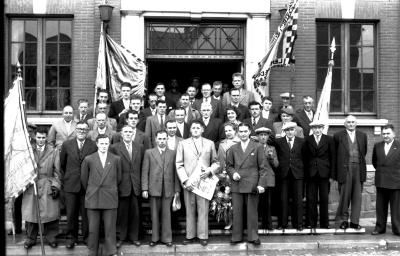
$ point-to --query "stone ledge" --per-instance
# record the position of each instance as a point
(376, 123)
(350, 244)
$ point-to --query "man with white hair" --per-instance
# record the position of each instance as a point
(62, 130)
(213, 128)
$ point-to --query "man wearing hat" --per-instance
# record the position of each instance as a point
(270, 155)
(319, 162)
(290, 174)
(287, 100)
(286, 115)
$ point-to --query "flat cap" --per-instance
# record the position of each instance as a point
(317, 123)
(289, 125)
(263, 130)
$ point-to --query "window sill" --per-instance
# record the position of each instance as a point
(376, 123)
(38, 120)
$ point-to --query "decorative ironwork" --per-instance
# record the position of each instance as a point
(194, 39)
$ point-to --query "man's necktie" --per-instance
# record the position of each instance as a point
(80, 145)
(129, 150)
(317, 139)
(290, 143)
(254, 122)
(162, 121)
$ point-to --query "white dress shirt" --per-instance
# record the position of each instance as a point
(387, 147)
(352, 135)
(171, 142)
(103, 158)
(244, 145)
(180, 127)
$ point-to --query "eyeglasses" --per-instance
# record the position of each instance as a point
(81, 129)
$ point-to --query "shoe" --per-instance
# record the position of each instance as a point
(136, 243)
(344, 225)
(355, 226)
(235, 242)
(152, 243)
(188, 241)
(119, 243)
(53, 244)
(203, 242)
(255, 242)
(377, 232)
(168, 244)
(70, 244)
(29, 244)
(300, 228)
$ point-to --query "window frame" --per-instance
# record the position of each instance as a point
(345, 66)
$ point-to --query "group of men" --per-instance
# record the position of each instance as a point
(104, 164)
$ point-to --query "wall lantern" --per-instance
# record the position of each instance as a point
(105, 12)
(283, 11)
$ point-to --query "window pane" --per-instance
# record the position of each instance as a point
(31, 30)
(368, 101)
(368, 79)
(355, 54)
(355, 101)
(30, 76)
(64, 76)
(65, 98)
(367, 35)
(321, 74)
(31, 53)
(17, 31)
(368, 57)
(51, 31)
(322, 33)
(337, 57)
(65, 31)
(323, 56)
(51, 100)
(355, 34)
(335, 32)
(51, 77)
(17, 53)
(355, 79)
(336, 101)
(336, 79)
(30, 99)
(65, 53)
(51, 53)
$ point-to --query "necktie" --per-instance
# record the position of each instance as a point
(317, 138)
(290, 143)
(128, 146)
(162, 121)
(254, 122)
(80, 145)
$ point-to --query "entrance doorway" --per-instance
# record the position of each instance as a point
(184, 70)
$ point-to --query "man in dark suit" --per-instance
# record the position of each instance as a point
(73, 152)
(247, 168)
(216, 105)
(156, 123)
(120, 107)
(135, 104)
(151, 110)
(217, 91)
(242, 110)
(319, 163)
(290, 174)
(213, 128)
(110, 122)
(386, 160)
(128, 221)
(101, 176)
(256, 121)
(159, 90)
(159, 180)
(191, 114)
(305, 116)
(350, 172)
(83, 111)
(101, 127)
(182, 127)
(267, 110)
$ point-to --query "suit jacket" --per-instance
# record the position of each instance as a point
(92, 135)
(387, 167)
(271, 117)
(245, 98)
(130, 167)
(115, 108)
(146, 112)
(141, 125)
(250, 165)
(262, 122)
(217, 111)
(319, 158)
(243, 113)
(140, 138)
(303, 121)
(88, 116)
(186, 131)
(290, 159)
(159, 173)
(101, 184)
(277, 129)
(187, 158)
(110, 122)
(214, 131)
(152, 126)
(342, 155)
(71, 162)
(58, 133)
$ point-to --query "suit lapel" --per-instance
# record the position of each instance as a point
(249, 149)
(392, 149)
(345, 140)
(106, 169)
(124, 151)
(156, 155)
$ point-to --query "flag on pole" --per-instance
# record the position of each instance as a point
(322, 111)
(122, 66)
(19, 164)
(287, 31)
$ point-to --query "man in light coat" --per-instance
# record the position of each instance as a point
(62, 130)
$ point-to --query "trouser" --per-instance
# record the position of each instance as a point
(291, 187)
(317, 187)
(264, 206)
(50, 230)
(384, 198)
(109, 217)
(239, 202)
(161, 214)
(17, 218)
(75, 204)
(196, 225)
(128, 220)
(350, 192)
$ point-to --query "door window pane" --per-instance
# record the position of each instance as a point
(31, 30)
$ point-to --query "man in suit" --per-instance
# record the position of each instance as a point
(182, 127)
(102, 96)
(192, 92)
(305, 116)
(256, 121)
(213, 127)
(101, 175)
(245, 96)
(101, 127)
(286, 116)
(159, 90)
(195, 158)
(156, 123)
(83, 111)
(110, 122)
(191, 114)
(247, 168)
(386, 160)
(172, 139)
(350, 172)
(151, 110)
(160, 182)
(120, 107)
(287, 101)
(135, 104)
(242, 110)
(267, 110)
(216, 105)
(290, 175)
(319, 163)
(62, 130)
(217, 91)
(73, 152)
(131, 154)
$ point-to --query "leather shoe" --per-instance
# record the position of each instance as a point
(152, 243)
(188, 241)
(300, 228)
(203, 242)
(376, 232)
(255, 242)
(168, 244)
(29, 244)
(119, 243)
(235, 242)
(136, 243)
(355, 226)
(70, 245)
(53, 244)
(344, 225)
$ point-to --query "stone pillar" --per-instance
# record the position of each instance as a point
(132, 32)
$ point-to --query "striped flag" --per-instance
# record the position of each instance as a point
(121, 65)
(19, 164)
(287, 31)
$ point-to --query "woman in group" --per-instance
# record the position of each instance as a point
(231, 116)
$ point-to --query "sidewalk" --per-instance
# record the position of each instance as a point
(220, 244)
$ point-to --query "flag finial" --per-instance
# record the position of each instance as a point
(332, 48)
(19, 71)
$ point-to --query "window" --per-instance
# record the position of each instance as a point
(43, 48)
(354, 74)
